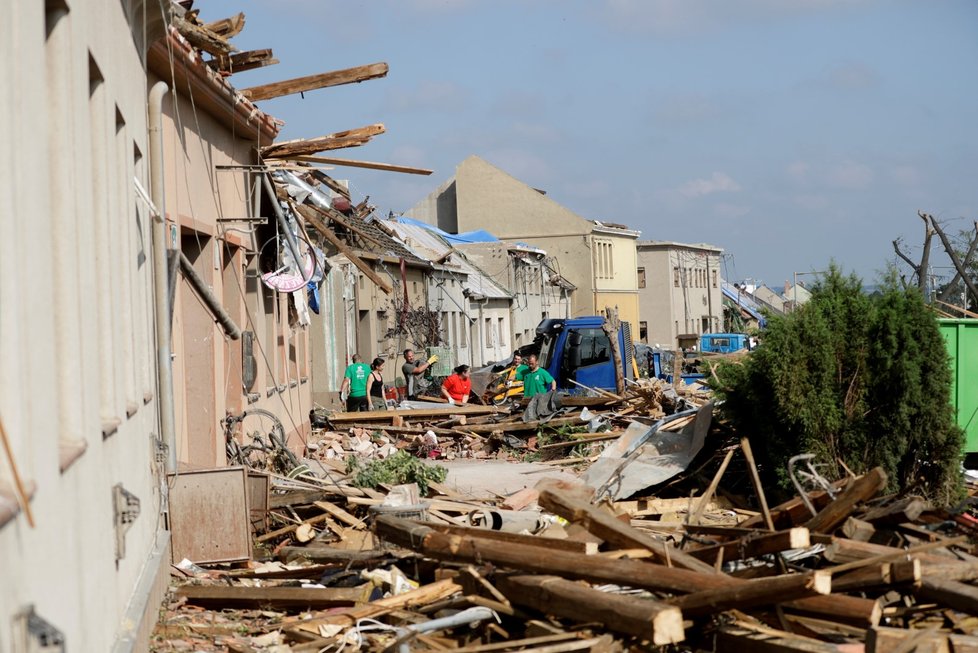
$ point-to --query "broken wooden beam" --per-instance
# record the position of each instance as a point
(370, 165)
(752, 593)
(313, 82)
(348, 617)
(879, 576)
(227, 27)
(612, 530)
(753, 545)
(517, 539)
(307, 598)
(410, 413)
(310, 216)
(660, 623)
(599, 569)
(882, 639)
(743, 636)
(338, 140)
(201, 38)
(950, 593)
(860, 489)
(907, 509)
(242, 61)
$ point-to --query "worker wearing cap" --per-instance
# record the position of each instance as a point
(536, 380)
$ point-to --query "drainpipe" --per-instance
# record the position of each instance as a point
(231, 330)
(164, 361)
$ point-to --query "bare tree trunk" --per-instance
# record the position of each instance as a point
(946, 293)
(954, 258)
(925, 256)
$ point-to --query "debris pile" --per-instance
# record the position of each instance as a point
(693, 560)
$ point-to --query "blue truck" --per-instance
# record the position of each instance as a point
(724, 343)
(577, 349)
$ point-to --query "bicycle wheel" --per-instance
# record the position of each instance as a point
(279, 456)
(253, 431)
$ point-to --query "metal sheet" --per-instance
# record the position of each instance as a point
(209, 518)
(258, 484)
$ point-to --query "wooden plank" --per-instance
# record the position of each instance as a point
(348, 138)
(242, 61)
(236, 596)
(202, 38)
(309, 214)
(424, 595)
(950, 593)
(907, 509)
(752, 593)
(755, 545)
(370, 165)
(612, 530)
(756, 479)
(327, 554)
(312, 82)
(711, 488)
(657, 622)
(413, 414)
(755, 638)
(882, 639)
(428, 540)
(860, 489)
(340, 514)
(516, 539)
(227, 27)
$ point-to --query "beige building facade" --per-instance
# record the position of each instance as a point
(79, 400)
(597, 258)
(679, 291)
(220, 216)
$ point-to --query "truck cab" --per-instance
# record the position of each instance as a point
(578, 349)
(724, 343)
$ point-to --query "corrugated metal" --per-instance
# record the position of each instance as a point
(428, 244)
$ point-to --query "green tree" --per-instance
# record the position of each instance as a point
(852, 378)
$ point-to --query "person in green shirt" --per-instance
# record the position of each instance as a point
(536, 380)
(355, 386)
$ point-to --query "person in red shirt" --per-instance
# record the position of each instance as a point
(457, 387)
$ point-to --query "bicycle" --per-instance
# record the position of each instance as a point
(262, 444)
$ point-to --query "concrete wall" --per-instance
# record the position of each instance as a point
(682, 293)
(488, 198)
(78, 397)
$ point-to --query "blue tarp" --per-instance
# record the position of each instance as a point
(477, 236)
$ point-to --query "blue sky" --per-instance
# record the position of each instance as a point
(789, 132)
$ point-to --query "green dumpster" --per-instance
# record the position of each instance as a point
(962, 343)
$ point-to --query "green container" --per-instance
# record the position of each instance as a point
(962, 343)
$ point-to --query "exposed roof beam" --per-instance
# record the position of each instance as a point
(237, 63)
(305, 146)
(312, 82)
(309, 214)
(227, 27)
(201, 37)
(390, 167)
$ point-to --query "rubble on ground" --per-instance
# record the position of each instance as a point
(577, 560)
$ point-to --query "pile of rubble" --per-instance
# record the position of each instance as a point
(575, 562)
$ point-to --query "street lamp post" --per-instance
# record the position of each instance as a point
(794, 289)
